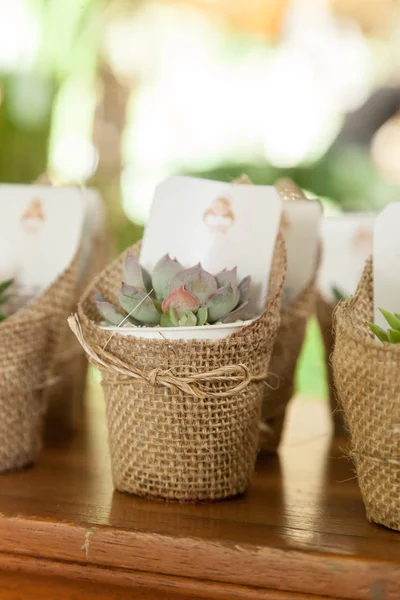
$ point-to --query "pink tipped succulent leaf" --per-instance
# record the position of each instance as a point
(239, 314)
(227, 276)
(132, 272)
(138, 305)
(197, 281)
(108, 311)
(163, 273)
(223, 301)
(244, 289)
(180, 300)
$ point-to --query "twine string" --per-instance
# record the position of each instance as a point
(394, 460)
(183, 377)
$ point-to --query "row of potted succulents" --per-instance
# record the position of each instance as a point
(197, 375)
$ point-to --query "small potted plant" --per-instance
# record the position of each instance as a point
(288, 345)
(183, 373)
(29, 335)
(366, 365)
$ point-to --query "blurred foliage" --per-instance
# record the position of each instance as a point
(345, 175)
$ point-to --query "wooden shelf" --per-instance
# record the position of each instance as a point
(300, 532)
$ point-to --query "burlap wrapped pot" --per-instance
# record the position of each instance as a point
(288, 344)
(182, 415)
(28, 340)
(366, 374)
(65, 398)
(325, 311)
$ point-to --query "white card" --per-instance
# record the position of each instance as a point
(94, 223)
(40, 231)
(222, 225)
(387, 262)
(347, 241)
(300, 228)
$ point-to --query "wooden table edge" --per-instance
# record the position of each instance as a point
(129, 556)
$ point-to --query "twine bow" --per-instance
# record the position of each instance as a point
(236, 377)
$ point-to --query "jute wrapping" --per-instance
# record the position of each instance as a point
(182, 415)
(28, 340)
(367, 380)
(282, 367)
(324, 314)
(65, 398)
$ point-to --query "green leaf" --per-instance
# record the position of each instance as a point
(165, 321)
(4, 285)
(393, 321)
(191, 319)
(174, 317)
(394, 336)
(338, 294)
(182, 320)
(202, 315)
(380, 333)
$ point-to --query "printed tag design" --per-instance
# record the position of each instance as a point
(221, 225)
(40, 233)
(347, 241)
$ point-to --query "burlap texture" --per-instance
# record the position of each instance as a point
(366, 375)
(65, 398)
(28, 340)
(324, 314)
(167, 442)
(287, 348)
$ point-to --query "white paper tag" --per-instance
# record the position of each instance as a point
(387, 262)
(300, 227)
(222, 225)
(40, 231)
(94, 222)
(347, 241)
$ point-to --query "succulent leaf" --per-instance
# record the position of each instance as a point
(108, 311)
(165, 321)
(138, 304)
(163, 273)
(394, 336)
(380, 333)
(244, 289)
(191, 319)
(4, 285)
(174, 317)
(181, 300)
(393, 321)
(225, 277)
(132, 272)
(223, 301)
(197, 281)
(202, 315)
(239, 314)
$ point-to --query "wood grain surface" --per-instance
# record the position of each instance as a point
(300, 532)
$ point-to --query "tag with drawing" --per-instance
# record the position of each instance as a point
(347, 241)
(221, 225)
(39, 234)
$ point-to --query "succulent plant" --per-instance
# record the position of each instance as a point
(391, 335)
(176, 297)
(4, 286)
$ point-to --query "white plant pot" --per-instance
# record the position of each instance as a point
(204, 332)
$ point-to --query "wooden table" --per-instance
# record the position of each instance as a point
(300, 532)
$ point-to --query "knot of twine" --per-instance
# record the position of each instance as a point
(183, 377)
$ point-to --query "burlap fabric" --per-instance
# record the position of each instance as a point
(28, 340)
(324, 314)
(65, 398)
(182, 415)
(282, 367)
(367, 380)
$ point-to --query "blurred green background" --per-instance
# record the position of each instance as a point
(121, 94)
